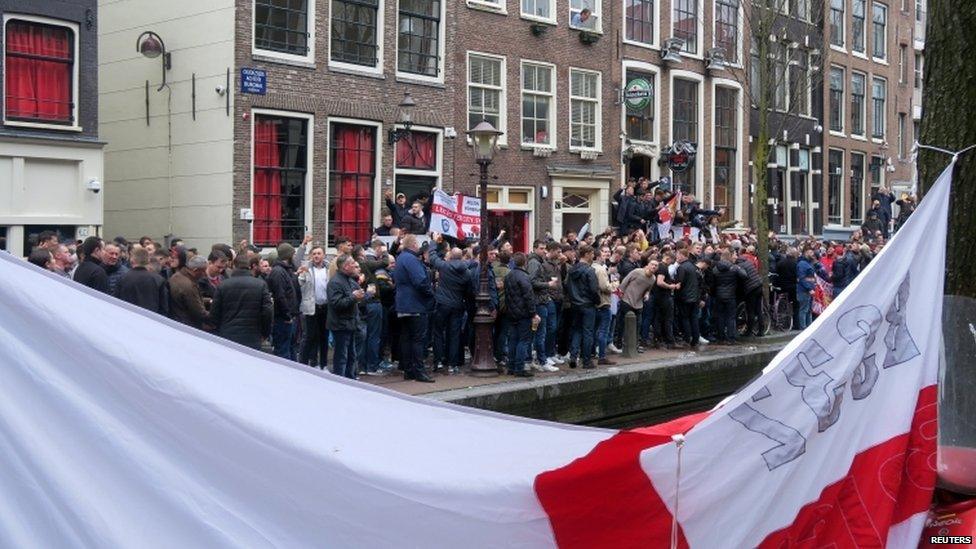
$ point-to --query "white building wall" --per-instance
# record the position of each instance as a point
(175, 176)
(45, 182)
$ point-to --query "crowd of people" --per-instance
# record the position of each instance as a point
(409, 301)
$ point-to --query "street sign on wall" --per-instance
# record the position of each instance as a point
(254, 81)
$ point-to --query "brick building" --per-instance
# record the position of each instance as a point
(870, 75)
(539, 73)
(50, 153)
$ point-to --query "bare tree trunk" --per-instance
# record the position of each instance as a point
(760, 157)
(949, 122)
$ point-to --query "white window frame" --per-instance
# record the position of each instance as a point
(843, 38)
(739, 35)
(438, 171)
(75, 99)
(309, 152)
(794, 62)
(842, 199)
(376, 70)
(595, 11)
(378, 178)
(551, 20)
(654, 70)
(700, 29)
(882, 60)
(700, 80)
(503, 92)
(864, 105)
(843, 100)
(740, 152)
(410, 77)
(553, 116)
(884, 115)
(598, 141)
(864, 31)
(655, 24)
(496, 6)
(271, 55)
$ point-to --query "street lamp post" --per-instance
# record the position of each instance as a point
(485, 138)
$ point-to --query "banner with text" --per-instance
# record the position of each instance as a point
(456, 215)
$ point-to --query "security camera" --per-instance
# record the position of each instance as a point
(220, 90)
(94, 186)
(818, 128)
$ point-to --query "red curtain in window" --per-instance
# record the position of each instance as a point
(418, 151)
(354, 171)
(267, 183)
(38, 72)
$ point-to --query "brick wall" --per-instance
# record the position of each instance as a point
(326, 93)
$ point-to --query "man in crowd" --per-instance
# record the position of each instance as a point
(399, 209)
(343, 317)
(499, 266)
(583, 292)
(142, 287)
(216, 265)
(413, 222)
(63, 261)
(603, 317)
(114, 268)
(313, 280)
(664, 287)
(725, 281)
(90, 272)
(283, 283)
(413, 294)
(242, 311)
(689, 298)
(371, 261)
(633, 288)
(543, 278)
(752, 292)
(454, 284)
(386, 227)
(521, 311)
(554, 308)
(185, 301)
(786, 278)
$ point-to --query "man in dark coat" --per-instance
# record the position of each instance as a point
(414, 296)
(725, 279)
(185, 302)
(343, 316)
(282, 282)
(90, 272)
(583, 293)
(786, 274)
(689, 297)
(242, 310)
(454, 284)
(413, 222)
(521, 309)
(751, 286)
(142, 287)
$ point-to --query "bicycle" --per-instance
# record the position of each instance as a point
(742, 319)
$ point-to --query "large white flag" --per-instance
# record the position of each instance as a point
(120, 428)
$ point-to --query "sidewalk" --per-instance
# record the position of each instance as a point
(444, 382)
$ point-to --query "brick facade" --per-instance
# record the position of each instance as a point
(899, 79)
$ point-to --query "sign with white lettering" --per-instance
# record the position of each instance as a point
(254, 81)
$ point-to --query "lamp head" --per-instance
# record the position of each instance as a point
(406, 109)
(150, 45)
(485, 138)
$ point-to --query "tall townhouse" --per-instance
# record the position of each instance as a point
(277, 117)
(50, 153)
(541, 71)
(680, 75)
(870, 73)
(794, 178)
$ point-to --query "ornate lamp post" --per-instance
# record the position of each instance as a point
(151, 46)
(485, 138)
(406, 119)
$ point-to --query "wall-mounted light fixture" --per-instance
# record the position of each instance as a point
(406, 119)
(151, 45)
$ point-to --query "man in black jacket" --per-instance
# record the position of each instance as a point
(786, 278)
(242, 310)
(343, 317)
(143, 287)
(454, 284)
(520, 308)
(689, 298)
(725, 280)
(583, 293)
(543, 277)
(90, 272)
(413, 222)
(282, 282)
(752, 293)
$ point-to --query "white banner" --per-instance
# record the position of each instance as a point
(458, 216)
